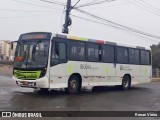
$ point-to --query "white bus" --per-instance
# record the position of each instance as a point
(47, 61)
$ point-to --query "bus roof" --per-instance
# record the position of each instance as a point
(68, 36)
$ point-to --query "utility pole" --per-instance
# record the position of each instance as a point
(68, 20)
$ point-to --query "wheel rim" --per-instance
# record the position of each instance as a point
(125, 83)
(73, 84)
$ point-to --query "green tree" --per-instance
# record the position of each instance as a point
(156, 55)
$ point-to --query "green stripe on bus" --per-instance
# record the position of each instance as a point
(69, 68)
(107, 70)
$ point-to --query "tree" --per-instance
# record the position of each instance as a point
(156, 55)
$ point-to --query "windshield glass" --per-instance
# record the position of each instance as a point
(32, 54)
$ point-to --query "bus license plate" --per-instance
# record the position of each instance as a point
(25, 82)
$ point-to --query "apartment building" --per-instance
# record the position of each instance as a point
(5, 50)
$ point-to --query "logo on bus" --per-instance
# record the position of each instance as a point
(83, 66)
(125, 68)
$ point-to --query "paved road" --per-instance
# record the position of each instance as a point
(144, 97)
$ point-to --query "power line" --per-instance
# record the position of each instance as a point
(151, 6)
(14, 10)
(22, 16)
(119, 25)
(148, 6)
(94, 3)
(76, 3)
(123, 30)
(53, 2)
(36, 5)
(58, 1)
(144, 7)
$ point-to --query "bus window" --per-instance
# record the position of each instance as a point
(148, 60)
(77, 50)
(133, 56)
(122, 55)
(93, 52)
(143, 57)
(59, 51)
(108, 53)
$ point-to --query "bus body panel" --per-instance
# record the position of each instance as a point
(100, 73)
(59, 74)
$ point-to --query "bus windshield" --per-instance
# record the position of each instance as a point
(31, 54)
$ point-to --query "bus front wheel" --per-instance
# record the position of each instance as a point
(126, 82)
(73, 84)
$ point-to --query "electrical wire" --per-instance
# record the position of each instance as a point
(147, 6)
(23, 16)
(142, 6)
(14, 10)
(62, 18)
(119, 25)
(52, 2)
(36, 5)
(94, 3)
(150, 5)
(58, 1)
(76, 3)
(123, 30)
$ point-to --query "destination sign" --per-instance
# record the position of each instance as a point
(31, 36)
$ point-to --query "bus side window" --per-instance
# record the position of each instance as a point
(122, 55)
(145, 57)
(93, 52)
(61, 51)
(77, 50)
(108, 53)
(58, 53)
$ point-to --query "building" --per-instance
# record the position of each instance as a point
(5, 50)
(13, 49)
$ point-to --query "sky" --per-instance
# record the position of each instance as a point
(144, 15)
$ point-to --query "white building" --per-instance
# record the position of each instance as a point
(5, 50)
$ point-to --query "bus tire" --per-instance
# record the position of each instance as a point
(73, 84)
(126, 82)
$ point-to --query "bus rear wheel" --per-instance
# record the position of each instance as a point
(126, 82)
(73, 85)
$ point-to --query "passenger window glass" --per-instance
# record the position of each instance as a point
(77, 50)
(148, 58)
(133, 56)
(122, 55)
(143, 57)
(137, 60)
(59, 51)
(93, 52)
(107, 53)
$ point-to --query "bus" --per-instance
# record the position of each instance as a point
(46, 61)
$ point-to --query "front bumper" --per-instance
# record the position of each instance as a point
(38, 83)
